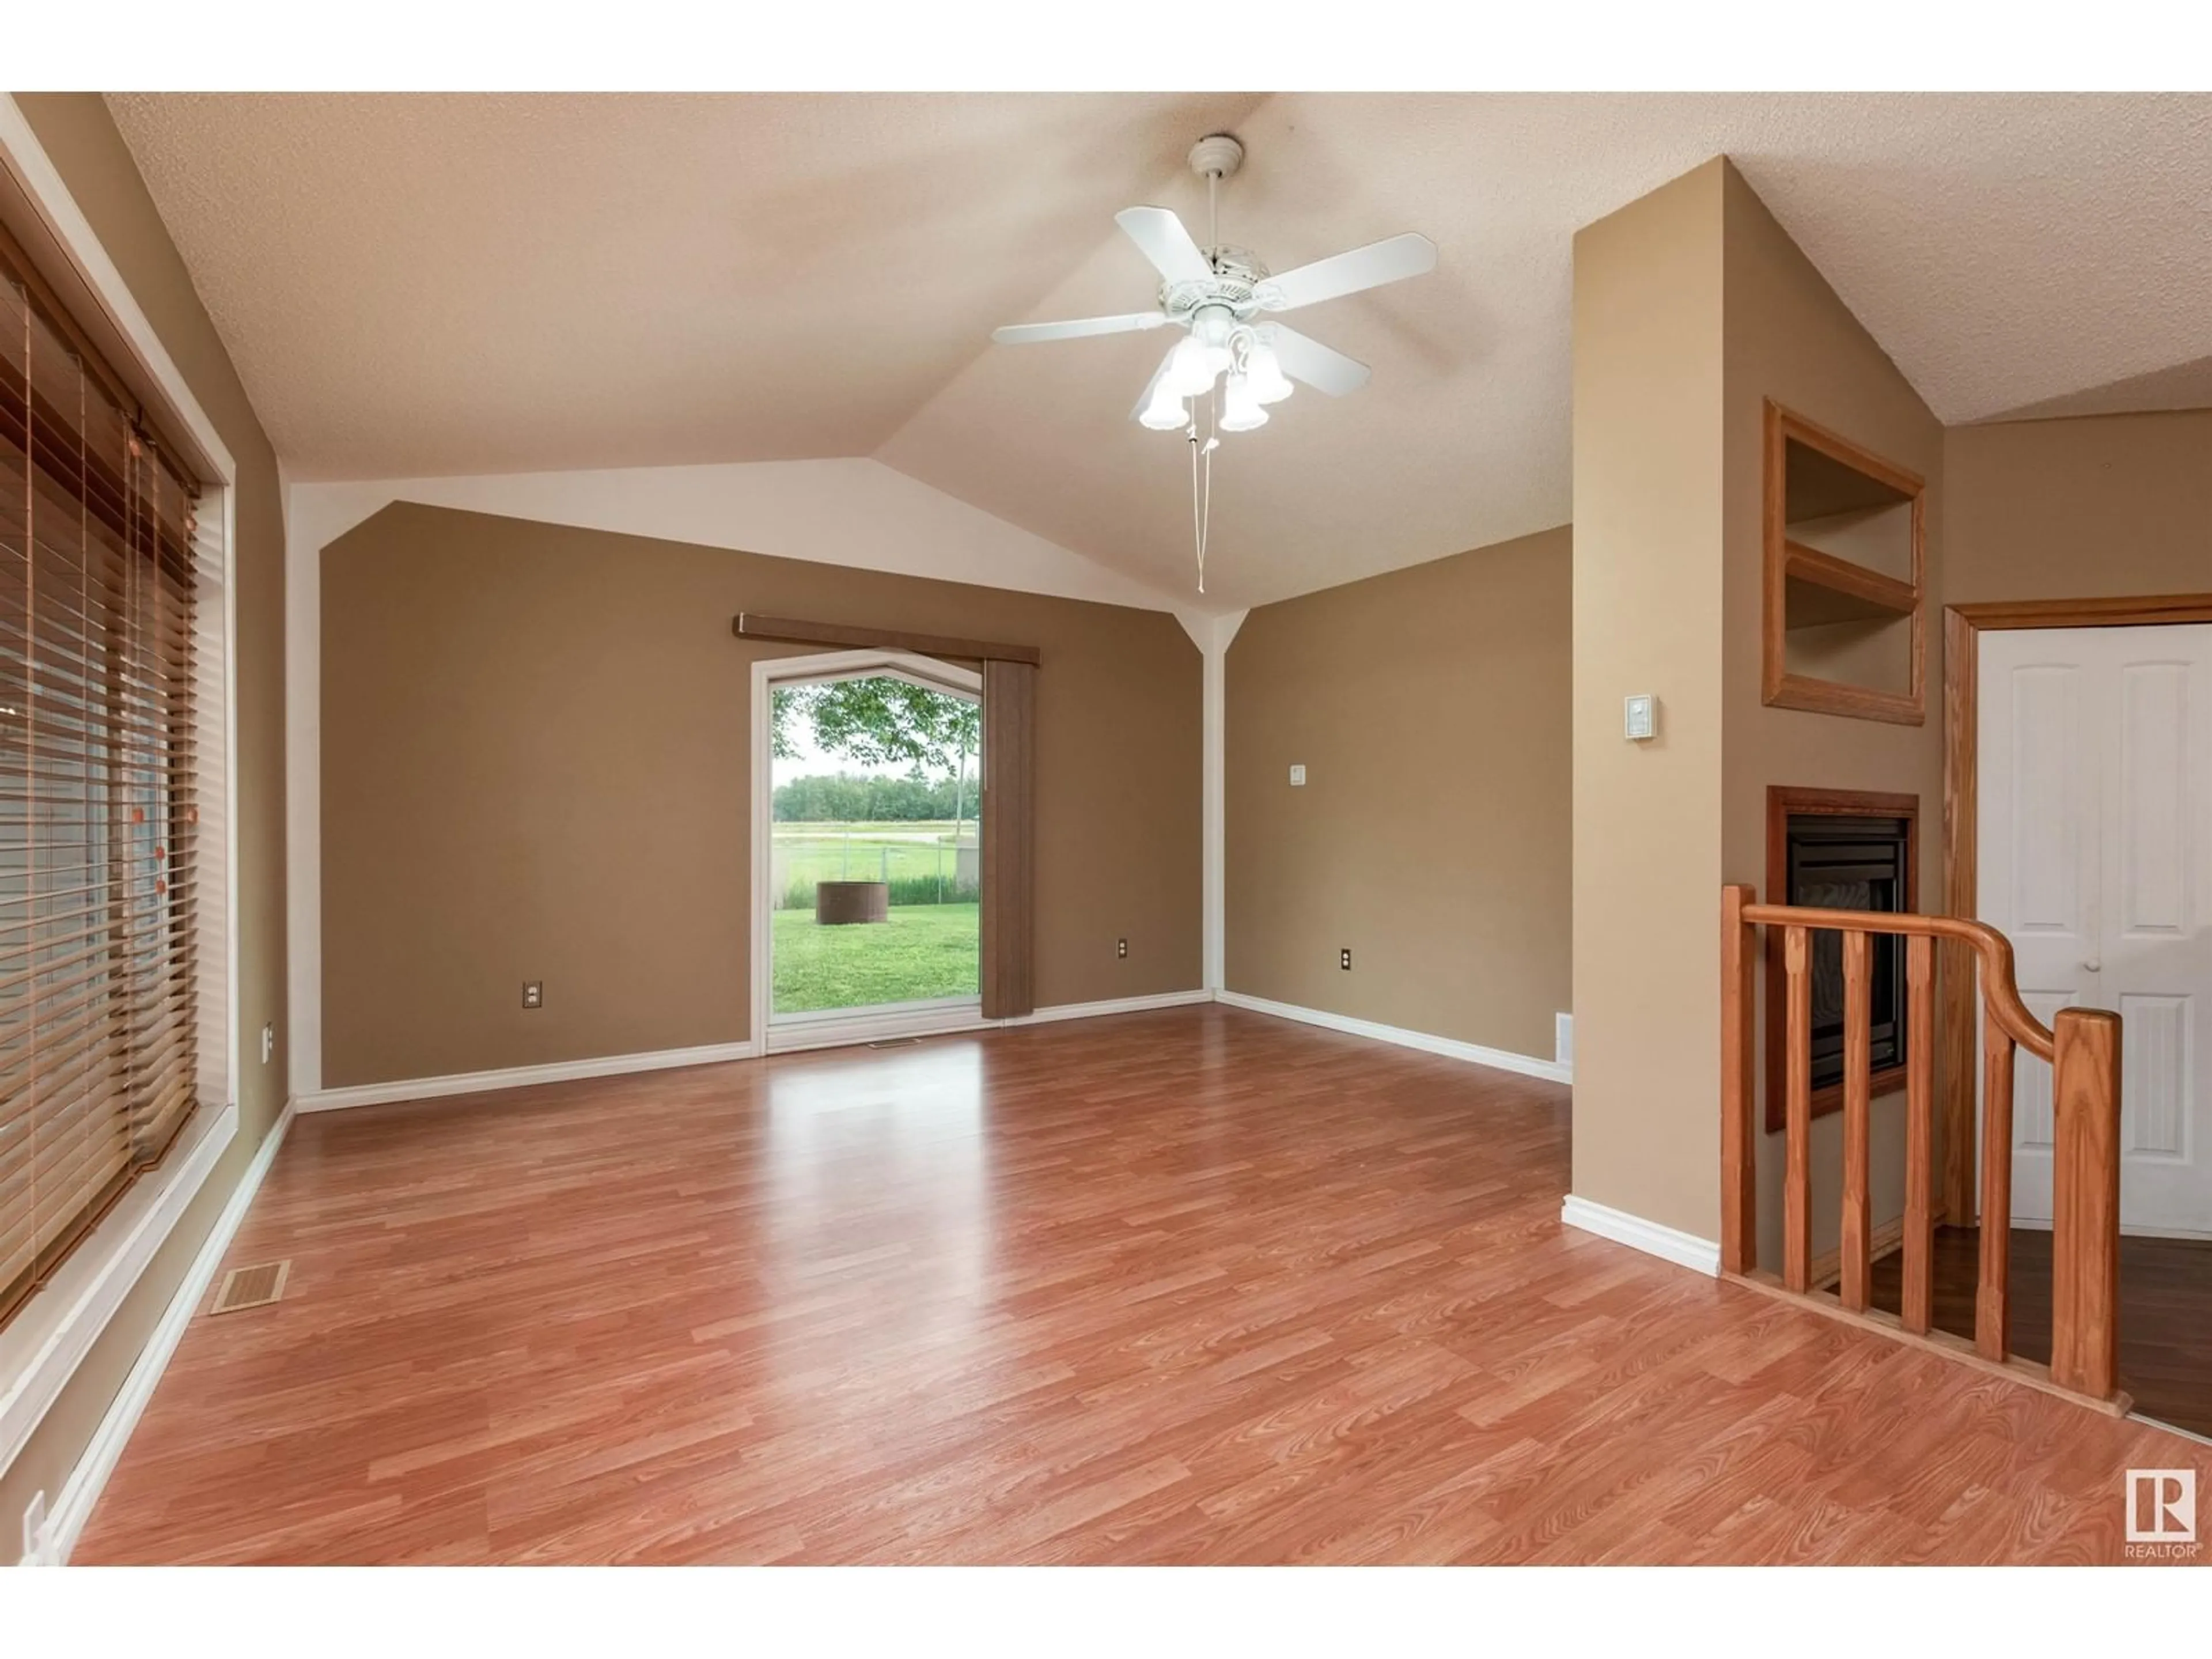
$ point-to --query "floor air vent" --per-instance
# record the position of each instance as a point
(252, 1287)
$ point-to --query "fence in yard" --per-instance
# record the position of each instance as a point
(921, 866)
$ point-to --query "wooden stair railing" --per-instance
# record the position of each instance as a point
(2084, 1052)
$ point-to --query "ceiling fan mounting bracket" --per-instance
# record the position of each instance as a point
(1217, 155)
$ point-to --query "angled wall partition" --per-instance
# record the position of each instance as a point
(1695, 317)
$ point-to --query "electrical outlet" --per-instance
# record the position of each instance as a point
(533, 993)
(1344, 958)
(268, 1041)
(35, 1531)
(1122, 947)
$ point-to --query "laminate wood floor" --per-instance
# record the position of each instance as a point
(1193, 1286)
(2166, 1312)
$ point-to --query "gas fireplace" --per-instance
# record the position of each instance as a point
(1840, 850)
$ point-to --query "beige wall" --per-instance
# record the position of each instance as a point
(76, 134)
(1789, 337)
(2090, 508)
(1647, 525)
(1692, 309)
(1431, 709)
(536, 766)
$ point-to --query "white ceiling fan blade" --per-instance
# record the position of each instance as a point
(1027, 333)
(1160, 234)
(1390, 260)
(1322, 367)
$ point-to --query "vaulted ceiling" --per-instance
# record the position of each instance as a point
(426, 285)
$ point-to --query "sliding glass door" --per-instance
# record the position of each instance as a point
(875, 853)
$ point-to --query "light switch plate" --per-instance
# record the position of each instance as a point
(1639, 717)
(1297, 777)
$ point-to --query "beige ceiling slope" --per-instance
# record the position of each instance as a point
(1460, 440)
(475, 284)
(2004, 249)
(462, 284)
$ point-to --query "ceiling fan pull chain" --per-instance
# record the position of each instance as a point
(1197, 520)
(1201, 496)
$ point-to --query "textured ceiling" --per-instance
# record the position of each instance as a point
(419, 285)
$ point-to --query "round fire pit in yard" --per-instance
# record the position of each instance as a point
(841, 903)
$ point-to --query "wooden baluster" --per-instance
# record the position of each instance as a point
(1739, 1135)
(1992, 1328)
(1919, 1133)
(1957, 963)
(1798, 1154)
(1858, 1062)
(2084, 1197)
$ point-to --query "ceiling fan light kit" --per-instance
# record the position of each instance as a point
(1230, 365)
(1218, 293)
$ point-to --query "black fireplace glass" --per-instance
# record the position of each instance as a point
(1852, 864)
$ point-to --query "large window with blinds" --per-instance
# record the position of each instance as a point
(102, 815)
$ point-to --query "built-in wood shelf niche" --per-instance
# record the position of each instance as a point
(1845, 618)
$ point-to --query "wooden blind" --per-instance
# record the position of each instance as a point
(100, 824)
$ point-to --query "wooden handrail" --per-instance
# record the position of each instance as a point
(1999, 989)
(2084, 1052)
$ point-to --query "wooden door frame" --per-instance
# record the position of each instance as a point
(1962, 628)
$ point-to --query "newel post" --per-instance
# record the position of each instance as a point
(2085, 1215)
(1739, 1143)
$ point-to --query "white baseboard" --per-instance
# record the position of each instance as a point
(1113, 1006)
(1503, 1060)
(88, 1480)
(520, 1077)
(1669, 1243)
(788, 1039)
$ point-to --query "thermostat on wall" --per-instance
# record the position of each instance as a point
(1640, 717)
(1297, 777)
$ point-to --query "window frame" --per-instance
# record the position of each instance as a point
(54, 1331)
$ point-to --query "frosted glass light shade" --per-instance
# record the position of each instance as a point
(1191, 370)
(1240, 407)
(1165, 413)
(1269, 384)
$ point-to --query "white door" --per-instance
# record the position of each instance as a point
(2095, 859)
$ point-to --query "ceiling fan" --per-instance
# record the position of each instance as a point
(1221, 295)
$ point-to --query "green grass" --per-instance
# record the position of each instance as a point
(924, 950)
(808, 853)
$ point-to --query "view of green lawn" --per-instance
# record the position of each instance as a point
(808, 853)
(924, 950)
